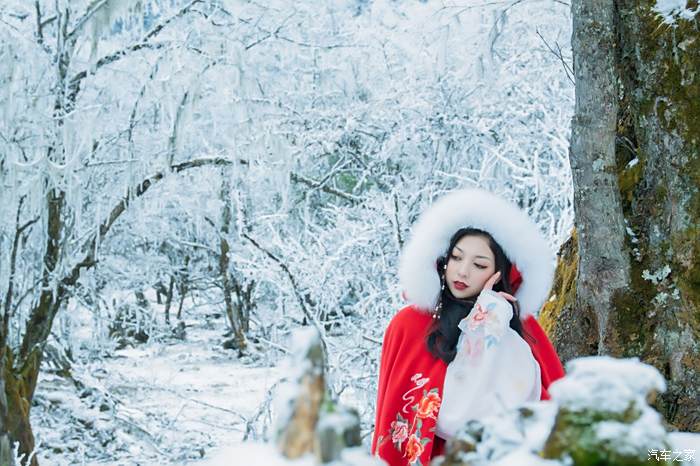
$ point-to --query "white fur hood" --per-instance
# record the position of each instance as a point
(520, 238)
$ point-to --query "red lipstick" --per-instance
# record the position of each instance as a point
(459, 285)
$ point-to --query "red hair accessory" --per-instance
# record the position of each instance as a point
(515, 278)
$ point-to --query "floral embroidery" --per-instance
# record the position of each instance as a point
(407, 438)
(414, 448)
(477, 318)
(420, 381)
(489, 321)
(399, 430)
(429, 405)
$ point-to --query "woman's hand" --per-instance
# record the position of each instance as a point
(492, 281)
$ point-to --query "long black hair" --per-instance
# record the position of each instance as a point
(444, 333)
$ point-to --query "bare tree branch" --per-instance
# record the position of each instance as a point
(327, 189)
(558, 53)
(301, 299)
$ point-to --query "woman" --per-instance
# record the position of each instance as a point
(467, 345)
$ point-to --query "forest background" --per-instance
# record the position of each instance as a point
(183, 183)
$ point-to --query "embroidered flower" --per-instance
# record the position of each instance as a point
(414, 448)
(478, 317)
(405, 433)
(429, 405)
(474, 349)
(399, 431)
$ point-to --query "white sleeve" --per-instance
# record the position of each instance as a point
(493, 370)
(484, 327)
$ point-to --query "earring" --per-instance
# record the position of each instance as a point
(438, 308)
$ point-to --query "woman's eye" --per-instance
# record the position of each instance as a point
(479, 266)
(453, 257)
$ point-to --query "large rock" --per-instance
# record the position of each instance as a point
(599, 415)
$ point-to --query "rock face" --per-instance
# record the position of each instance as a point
(599, 415)
(338, 428)
(603, 415)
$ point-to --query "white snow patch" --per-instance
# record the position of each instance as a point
(671, 10)
(605, 383)
(267, 455)
(253, 453)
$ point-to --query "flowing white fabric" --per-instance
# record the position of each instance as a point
(494, 368)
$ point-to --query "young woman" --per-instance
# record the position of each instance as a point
(467, 345)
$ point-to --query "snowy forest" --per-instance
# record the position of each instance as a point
(202, 199)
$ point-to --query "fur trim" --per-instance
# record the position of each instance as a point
(520, 238)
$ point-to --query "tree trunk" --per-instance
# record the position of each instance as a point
(169, 300)
(650, 306)
(232, 312)
(244, 301)
(183, 277)
(603, 266)
(20, 384)
(660, 120)
(6, 453)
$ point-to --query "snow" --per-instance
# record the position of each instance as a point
(606, 384)
(265, 454)
(253, 453)
(163, 404)
(671, 10)
(390, 104)
(597, 384)
(508, 437)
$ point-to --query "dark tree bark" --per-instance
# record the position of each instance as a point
(233, 313)
(169, 299)
(630, 286)
(183, 285)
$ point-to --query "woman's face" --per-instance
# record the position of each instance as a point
(470, 264)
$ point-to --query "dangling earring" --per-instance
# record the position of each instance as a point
(444, 272)
(438, 307)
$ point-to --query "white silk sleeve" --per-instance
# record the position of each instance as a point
(494, 368)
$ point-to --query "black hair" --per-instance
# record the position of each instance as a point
(444, 333)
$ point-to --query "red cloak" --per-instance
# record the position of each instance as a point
(410, 387)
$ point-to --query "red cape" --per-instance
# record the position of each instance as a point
(410, 387)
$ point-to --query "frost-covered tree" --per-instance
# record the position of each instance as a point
(68, 137)
(628, 281)
(268, 156)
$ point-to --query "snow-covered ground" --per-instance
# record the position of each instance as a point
(191, 402)
(153, 404)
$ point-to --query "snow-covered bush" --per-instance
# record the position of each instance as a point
(598, 414)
